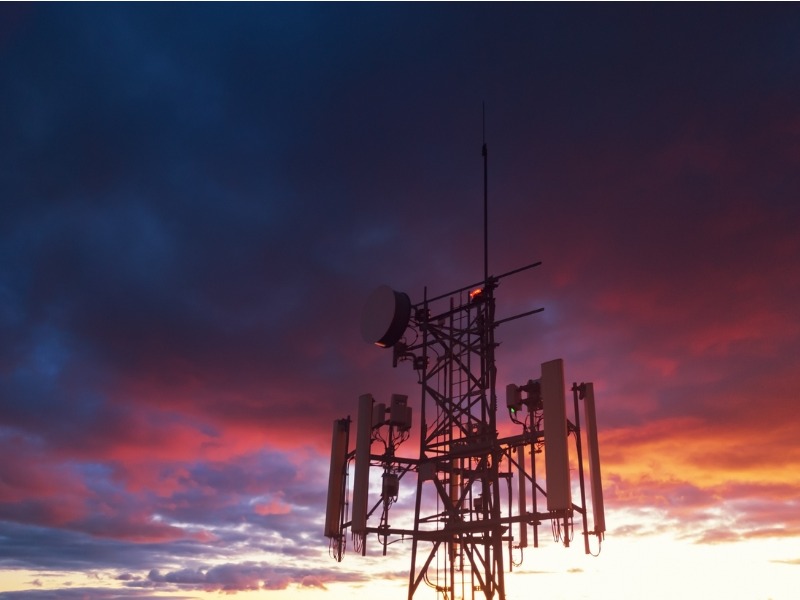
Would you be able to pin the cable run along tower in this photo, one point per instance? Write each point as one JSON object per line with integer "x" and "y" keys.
{"x": 480, "y": 499}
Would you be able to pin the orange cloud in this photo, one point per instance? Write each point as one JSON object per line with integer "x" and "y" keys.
{"x": 717, "y": 481}
{"x": 702, "y": 452}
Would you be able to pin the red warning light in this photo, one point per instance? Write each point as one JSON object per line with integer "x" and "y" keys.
{"x": 475, "y": 293}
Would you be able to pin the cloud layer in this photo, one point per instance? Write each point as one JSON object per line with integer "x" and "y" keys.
{"x": 196, "y": 200}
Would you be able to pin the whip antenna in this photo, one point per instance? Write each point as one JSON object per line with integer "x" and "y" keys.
{"x": 485, "y": 153}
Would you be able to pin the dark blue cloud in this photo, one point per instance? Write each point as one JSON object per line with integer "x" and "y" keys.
{"x": 195, "y": 199}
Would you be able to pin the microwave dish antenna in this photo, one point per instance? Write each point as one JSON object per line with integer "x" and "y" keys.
{"x": 385, "y": 316}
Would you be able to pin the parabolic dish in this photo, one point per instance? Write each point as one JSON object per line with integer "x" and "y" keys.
{"x": 385, "y": 317}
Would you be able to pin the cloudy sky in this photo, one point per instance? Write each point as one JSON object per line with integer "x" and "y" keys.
{"x": 195, "y": 201}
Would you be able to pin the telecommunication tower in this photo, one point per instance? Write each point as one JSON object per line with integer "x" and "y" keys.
{"x": 478, "y": 495}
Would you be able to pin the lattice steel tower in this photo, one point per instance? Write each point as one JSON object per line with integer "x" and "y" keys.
{"x": 477, "y": 493}
{"x": 460, "y": 454}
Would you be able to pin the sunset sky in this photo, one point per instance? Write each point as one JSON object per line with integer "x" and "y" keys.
{"x": 197, "y": 199}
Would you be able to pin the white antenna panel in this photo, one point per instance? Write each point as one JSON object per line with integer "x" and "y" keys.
{"x": 594, "y": 461}
{"x": 361, "y": 477}
{"x": 556, "y": 452}
{"x": 336, "y": 478}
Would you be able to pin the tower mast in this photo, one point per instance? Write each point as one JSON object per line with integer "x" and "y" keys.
{"x": 467, "y": 524}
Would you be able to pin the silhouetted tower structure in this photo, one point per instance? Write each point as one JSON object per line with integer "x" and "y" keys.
{"x": 477, "y": 493}
{"x": 459, "y": 452}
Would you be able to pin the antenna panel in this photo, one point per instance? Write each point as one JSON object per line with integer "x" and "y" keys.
{"x": 556, "y": 452}
{"x": 361, "y": 477}
{"x": 522, "y": 496}
{"x": 594, "y": 461}
{"x": 378, "y": 415}
{"x": 337, "y": 478}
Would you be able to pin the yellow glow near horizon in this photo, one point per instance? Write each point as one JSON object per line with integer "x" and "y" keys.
{"x": 654, "y": 567}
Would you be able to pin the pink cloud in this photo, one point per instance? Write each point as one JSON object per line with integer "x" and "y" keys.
{"x": 34, "y": 475}
{"x": 135, "y": 527}
{"x": 273, "y": 507}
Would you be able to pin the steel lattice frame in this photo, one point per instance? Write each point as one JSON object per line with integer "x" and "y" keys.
{"x": 459, "y": 449}
{"x": 462, "y": 523}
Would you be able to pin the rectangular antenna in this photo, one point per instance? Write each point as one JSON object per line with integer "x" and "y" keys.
{"x": 361, "y": 477}
{"x": 337, "y": 478}
{"x": 378, "y": 414}
{"x": 556, "y": 451}
{"x": 522, "y": 496}
{"x": 400, "y": 412}
{"x": 594, "y": 461}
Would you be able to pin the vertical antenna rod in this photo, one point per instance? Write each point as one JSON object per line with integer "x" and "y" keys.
{"x": 485, "y": 153}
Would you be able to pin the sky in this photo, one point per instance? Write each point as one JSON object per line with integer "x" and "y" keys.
{"x": 197, "y": 199}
